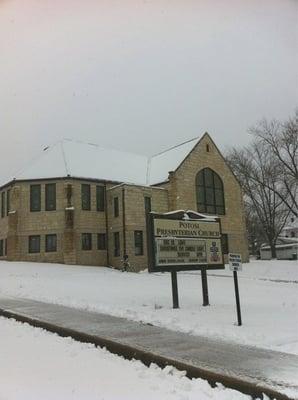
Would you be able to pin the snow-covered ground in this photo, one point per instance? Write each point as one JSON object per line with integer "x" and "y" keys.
{"x": 268, "y": 291}
{"x": 35, "y": 364}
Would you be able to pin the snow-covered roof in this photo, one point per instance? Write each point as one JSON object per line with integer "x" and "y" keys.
{"x": 91, "y": 161}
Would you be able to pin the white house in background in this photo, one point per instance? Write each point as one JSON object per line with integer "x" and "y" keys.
{"x": 291, "y": 229}
{"x": 286, "y": 249}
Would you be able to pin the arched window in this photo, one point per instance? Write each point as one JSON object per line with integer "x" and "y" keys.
{"x": 210, "y": 192}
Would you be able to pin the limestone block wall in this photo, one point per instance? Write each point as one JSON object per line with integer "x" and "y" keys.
{"x": 182, "y": 192}
{"x": 115, "y": 224}
{"x": 92, "y": 221}
{"x": 135, "y": 218}
{"x": 3, "y": 222}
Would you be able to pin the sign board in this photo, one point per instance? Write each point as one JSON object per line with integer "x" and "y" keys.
{"x": 235, "y": 262}
{"x": 177, "y": 242}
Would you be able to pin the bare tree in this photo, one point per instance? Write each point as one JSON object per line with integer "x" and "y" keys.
{"x": 281, "y": 139}
{"x": 255, "y": 167}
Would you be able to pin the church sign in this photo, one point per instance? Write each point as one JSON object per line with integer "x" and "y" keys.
{"x": 184, "y": 241}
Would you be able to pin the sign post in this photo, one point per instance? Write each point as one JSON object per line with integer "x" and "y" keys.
{"x": 205, "y": 287}
{"x": 184, "y": 241}
{"x": 175, "y": 289}
{"x": 235, "y": 266}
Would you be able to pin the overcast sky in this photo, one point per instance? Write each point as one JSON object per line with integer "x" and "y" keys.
{"x": 142, "y": 75}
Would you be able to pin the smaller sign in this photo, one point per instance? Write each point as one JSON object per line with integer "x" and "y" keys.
{"x": 235, "y": 262}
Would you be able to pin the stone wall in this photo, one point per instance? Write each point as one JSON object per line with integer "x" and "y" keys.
{"x": 182, "y": 192}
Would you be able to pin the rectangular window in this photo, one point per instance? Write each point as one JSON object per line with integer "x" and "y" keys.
{"x": 101, "y": 241}
{"x": 50, "y": 193}
{"x": 35, "y": 198}
{"x": 51, "y": 243}
{"x": 34, "y": 244}
{"x": 100, "y": 198}
{"x": 2, "y": 204}
{"x": 1, "y": 248}
{"x": 86, "y": 197}
{"x": 116, "y": 207}
{"x": 147, "y": 201}
{"x": 139, "y": 250}
{"x": 5, "y": 247}
{"x": 7, "y": 202}
{"x": 225, "y": 243}
{"x": 116, "y": 244}
{"x": 86, "y": 241}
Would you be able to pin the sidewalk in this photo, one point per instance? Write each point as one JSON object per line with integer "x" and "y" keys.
{"x": 248, "y": 369}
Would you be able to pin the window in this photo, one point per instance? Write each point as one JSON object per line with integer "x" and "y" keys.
{"x": 86, "y": 241}
{"x": 50, "y": 193}
{"x": 100, "y": 198}
{"x": 51, "y": 243}
{"x": 139, "y": 250}
{"x": 86, "y": 197}
{"x": 116, "y": 244}
{"x": 207, "y": 148}
{"x": 7, "y": 202}
{"x": 35, "y": 198}
{"x": 2, "y": 204}
{"x": 1, "y": 248}
{"x": 225, "y": 243}
{"x": 34, "y": 244}
{"x": 210, "y": 193}
{"x": 147, "y": 201}
{"x": 116, "y": 207}
{"x": 101, "y": 241}
{"x": 5, "y": 247}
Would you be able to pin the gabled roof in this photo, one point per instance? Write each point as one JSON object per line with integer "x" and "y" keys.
{"x": 90, "y": 161}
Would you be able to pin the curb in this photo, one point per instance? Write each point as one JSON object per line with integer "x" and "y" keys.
{"x": 129, "y": 352}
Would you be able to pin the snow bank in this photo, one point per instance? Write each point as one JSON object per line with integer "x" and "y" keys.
{"x": 267, "y": 290}
{"x": 35, "y": 364}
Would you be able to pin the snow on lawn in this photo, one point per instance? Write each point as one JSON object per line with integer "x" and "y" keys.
{"x": 36, "y": 364}
{"x": 269, "y": 307}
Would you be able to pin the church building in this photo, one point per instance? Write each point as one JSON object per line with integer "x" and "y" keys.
{"x": 79, "y": 203}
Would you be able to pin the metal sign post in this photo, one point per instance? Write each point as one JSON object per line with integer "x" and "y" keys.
{"x": 175, "y": 289}
{"x": 236, "y": 265}
{"x": 205, "y": 287}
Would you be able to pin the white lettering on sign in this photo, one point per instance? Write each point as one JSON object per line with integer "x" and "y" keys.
{"x": 187, "y": 251}
{"x": 235, "y": 262}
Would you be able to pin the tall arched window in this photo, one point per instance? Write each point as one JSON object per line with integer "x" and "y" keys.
{"x": 210, "y": 192}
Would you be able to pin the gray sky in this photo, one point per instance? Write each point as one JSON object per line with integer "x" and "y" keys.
{"x": 142, "y": 75}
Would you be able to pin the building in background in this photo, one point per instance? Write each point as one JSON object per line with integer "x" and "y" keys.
{"x": 82, "y": 204}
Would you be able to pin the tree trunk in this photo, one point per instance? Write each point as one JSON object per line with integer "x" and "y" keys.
{"x": 273, "y": 250}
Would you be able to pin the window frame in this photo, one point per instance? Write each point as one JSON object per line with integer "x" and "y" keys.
{"x": 117, "y": 245}
{"x": 86, "y": 201}
{"x": 7, "y": 201}
{"x": 147, "y": 204}
{"x": 30, "y": 249}
{"x": 47, "y": 249}
{"x": 210, "y": 189}
{"x": 225, "y": 243}
{"x": 2, "y": 204}
{"x": 100, "y": 198}
{"x": 2, "y": 251}
{"x": 38, "y": 194}
{"x": 83, "y": 242}
{"x": 101, "y": 244}
{"x": 139, "y": 243}
{"x": 48, "y": 206}
{"x": 116, "y": 207}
